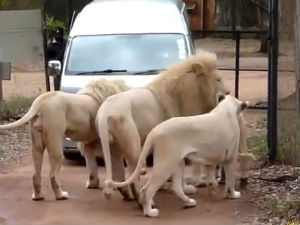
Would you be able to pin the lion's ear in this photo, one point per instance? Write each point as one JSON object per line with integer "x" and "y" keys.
{"x": 197, "y": 69}
{"x": 245, "y": 105}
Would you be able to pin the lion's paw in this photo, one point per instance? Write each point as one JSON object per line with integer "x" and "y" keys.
{"x": 152, "y": 213}
{"x": 92, "y": 184}
{"x": 233, "y": 194}
{"x": 37, "y": 197}
{"x": 190, "y": 203}
{"x": 62, "y": 196}
{"x": 107, "y": 193}
{"x": 189, "y": 189}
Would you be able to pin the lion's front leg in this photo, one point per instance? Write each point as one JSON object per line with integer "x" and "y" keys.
{"x": 90, "y": 158}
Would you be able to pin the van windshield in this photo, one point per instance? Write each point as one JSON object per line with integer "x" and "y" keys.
{"x": 130, "y": 53}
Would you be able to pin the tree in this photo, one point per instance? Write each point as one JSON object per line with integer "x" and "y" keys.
{"x": 262, "y": 17}
{"x": 287, "y": 12}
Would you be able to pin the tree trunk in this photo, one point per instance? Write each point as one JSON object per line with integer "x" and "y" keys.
{"x": 287, "y": 10}
{"x": 261, "y": 21}
{"x": 297, "y": 50}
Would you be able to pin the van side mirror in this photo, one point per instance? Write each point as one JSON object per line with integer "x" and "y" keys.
{"x": 54, "y": 68}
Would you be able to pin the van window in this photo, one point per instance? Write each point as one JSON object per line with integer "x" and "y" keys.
{"x": 128, "y": 53}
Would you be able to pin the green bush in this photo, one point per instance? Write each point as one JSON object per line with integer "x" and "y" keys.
{"x": 15, "y": 104}
{"x": 52, "y": 24}
{"x": 258, "y": 146}
{"x": 288, "y": 137}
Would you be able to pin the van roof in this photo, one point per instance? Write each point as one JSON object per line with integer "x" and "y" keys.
{"x": 130, "y": 16}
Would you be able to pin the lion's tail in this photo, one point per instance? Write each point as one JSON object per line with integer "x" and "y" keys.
{"x": 109, "y": 184}
{"x": 33, "y": 110}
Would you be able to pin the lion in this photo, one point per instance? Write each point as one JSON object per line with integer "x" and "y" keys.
{"x": 201, "y": 175}
{"x": 209, "y": 139}
{"x": 55, "y": 115}
{"x": 124, "y": 120}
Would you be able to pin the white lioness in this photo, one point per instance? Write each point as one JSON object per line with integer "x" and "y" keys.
{"x": 203, "y": 176}
{"x": 124, "y": 120}
{"x": 55, "y": 115}
{"x": 210, "y": 139}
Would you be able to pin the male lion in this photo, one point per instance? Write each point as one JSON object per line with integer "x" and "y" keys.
{"x": 124, "y": 120}
{"x": 55, "y": 115}
{"x": 210, "y": 139}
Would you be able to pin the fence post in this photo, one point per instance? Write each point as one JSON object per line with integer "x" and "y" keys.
{"x": 237, "y": 63}
{"x": 272, "y": 87}
{"x": 233, "y": 17}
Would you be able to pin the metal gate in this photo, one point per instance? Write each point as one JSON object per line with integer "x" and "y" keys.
{"x": 272, "y": 33}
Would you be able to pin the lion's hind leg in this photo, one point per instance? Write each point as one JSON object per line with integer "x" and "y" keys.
{"x": 156, "y": 180}
{"x": 130, "y": 146}
{"x": 161, "y": 171}
{"x": 54, "y": 146}
{"x": 37, "y": 149}
{"x": 230, "y": 169}
{"x": 178, "y": 184}
{"x": 119, "y": 172}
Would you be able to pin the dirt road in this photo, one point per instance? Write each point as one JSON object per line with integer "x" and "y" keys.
{"x": 88, "y": 206}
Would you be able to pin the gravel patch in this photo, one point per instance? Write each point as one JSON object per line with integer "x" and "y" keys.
{"x": 14, "y": 148}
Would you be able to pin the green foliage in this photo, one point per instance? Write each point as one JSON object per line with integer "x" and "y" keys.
{"x": 14, "y": 104}
{"x": 19, "y": 4}
{"x": 3, "y": 3}
{"x": 288, "y": 137}
{"x": 258, "y": 146}
{"x": 52, "y": 24}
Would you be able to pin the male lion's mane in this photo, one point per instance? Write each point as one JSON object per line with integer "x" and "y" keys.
{"x": 100, "y": 89}
{"x": 186, "y": 88}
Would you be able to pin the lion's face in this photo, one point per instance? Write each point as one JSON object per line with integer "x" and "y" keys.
{"x": 218, "y": 84}
{"x": 210, "y": 84}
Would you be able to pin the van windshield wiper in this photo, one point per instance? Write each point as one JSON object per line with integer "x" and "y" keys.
{"x": 145, "y": 72}
{"x": 101, "y": 71}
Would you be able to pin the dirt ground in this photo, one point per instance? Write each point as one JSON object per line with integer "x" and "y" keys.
{"x": 89, "y": 206}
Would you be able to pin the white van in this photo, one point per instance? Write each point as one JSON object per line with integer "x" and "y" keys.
{"x": 129, "y": 39}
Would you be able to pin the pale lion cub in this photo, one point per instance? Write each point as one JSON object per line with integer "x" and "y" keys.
{"x": 210, "y": 139}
